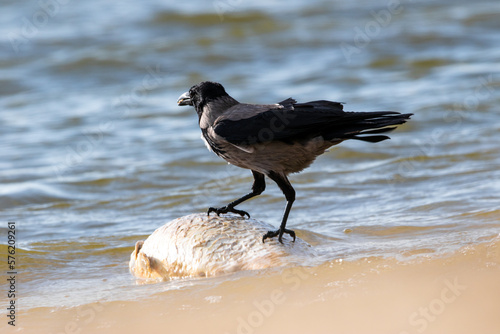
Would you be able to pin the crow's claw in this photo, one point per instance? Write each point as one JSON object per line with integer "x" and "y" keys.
{"x": 226, "y": 209}
{"x": 278, "y": 233}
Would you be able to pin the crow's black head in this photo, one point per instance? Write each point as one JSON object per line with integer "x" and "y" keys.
{"x": 201, "y": 94}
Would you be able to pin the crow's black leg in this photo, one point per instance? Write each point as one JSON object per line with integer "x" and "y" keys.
{"x": 259, "y": 185}
{"x": 289, "y": 192}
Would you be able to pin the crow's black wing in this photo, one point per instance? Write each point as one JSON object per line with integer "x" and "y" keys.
{"x": 289, "y": 121}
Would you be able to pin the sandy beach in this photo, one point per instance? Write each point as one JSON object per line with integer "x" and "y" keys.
{"x": 454, "y": 293}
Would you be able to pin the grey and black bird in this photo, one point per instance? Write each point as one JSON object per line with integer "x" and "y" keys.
{"x": 275, "y": 140}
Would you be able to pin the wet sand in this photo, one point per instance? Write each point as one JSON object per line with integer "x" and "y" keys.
{"x": 452, "y": 293}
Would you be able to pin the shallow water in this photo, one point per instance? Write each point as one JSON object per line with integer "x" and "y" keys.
{"x": 96, "y": 155}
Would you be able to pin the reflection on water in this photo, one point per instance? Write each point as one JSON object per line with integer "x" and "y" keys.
{"x": 95, "y": 154}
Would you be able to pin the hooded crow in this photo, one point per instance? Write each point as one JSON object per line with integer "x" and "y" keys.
{"x": 275, "y": 140}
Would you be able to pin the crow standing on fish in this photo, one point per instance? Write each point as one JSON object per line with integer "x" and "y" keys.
{"x": 275, "y": 140}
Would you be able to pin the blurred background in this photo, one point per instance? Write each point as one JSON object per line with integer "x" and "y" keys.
{"x": 95, "y": 154}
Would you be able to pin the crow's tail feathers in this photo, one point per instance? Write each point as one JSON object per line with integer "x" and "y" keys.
{"x": 372, "y": 139}
{"x": 367, "y": 126}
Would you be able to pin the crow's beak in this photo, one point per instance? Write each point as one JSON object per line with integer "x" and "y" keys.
{"x": 184, "y": 100}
